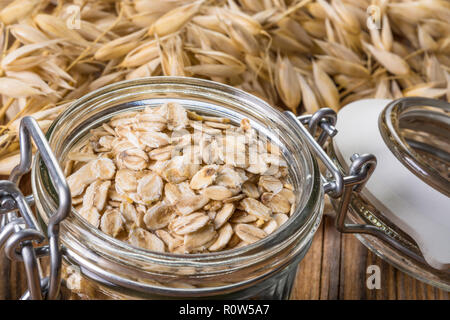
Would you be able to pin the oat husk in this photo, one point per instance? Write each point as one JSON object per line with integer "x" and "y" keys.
{"x": 297, "y": 55}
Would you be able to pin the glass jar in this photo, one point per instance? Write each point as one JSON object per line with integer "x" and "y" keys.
{"x": 97, "y": 266}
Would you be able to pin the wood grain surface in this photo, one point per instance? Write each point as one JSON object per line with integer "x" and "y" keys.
{"x": 334, "y": 268}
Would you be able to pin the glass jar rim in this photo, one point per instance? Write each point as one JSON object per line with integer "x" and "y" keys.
{"x": 304, "y": 217}
{"x": 421, "y": 111}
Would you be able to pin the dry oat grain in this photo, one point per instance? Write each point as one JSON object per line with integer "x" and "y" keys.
{"x": 138, "y": 180}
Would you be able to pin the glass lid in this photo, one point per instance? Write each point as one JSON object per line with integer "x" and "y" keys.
{"x": 419, "y": 136}
{"x": 407, "y": 196}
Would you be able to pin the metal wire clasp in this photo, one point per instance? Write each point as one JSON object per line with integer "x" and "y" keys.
{"x": 340, "y": 186}
{"x": 19, "y": 235}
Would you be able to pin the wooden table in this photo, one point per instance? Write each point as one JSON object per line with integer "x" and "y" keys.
{"x": 335, "y": 268}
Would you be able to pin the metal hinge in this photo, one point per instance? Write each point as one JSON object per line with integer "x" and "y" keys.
{"x": 20, "y": 234}
{"x": 340, "y": 186}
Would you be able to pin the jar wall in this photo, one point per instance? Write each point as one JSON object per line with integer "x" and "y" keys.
{"x": 278, "y": 286}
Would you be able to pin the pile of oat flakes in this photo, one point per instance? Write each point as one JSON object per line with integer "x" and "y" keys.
{"x": 170, "y": 180}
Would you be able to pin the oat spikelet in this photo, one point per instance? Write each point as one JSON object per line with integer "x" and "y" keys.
{"x": 16, "y": 88}
{"x": 287, "y": 83}
{"x": 58, "y": 28}
{"x": 27, "y": 34}
{"x": 17, "y": 10}
{"x": 326, "y": 87}
{"x": 175, "y": 19}
{"x": 386, "y": 34}
{"x": 425, "y": 90}
{"x": 119, "y": 47}
{"x": 332, "y": 65}
{"x": 382, "y": 89}
{"x": 425, "y": 40}
{"x": 239, "y": 43}
{"x": 142, "y": 54}
{"x": 309, "y": 98}
{"x": 8, "y": 163}
{"x": 24, "y": 51}
{"x": 392, "y": 62}
{"x": 350, "y": 22}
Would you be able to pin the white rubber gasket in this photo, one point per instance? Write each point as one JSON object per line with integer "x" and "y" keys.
{"x": 407, "y": 201}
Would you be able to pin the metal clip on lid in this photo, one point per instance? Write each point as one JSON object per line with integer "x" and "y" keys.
{"x": 340, "y": 186}
{"x": 18, "y": 233}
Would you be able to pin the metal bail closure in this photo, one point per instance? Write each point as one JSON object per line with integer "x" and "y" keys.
{"x": 20, "y": 235}
{"x": 339, "y": 186}
{"x": 336, "y": 185}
